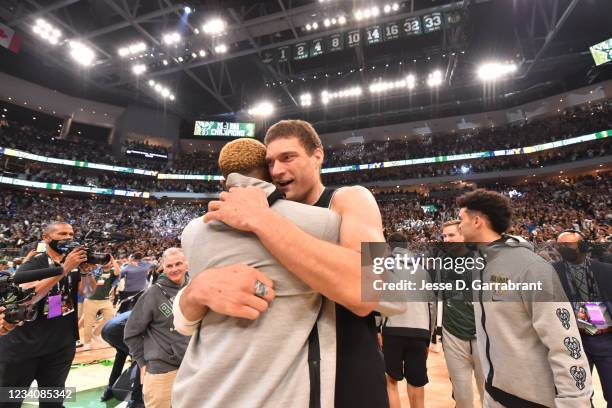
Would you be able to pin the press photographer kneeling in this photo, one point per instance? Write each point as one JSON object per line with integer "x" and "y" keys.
{"x": 43, "y": 349}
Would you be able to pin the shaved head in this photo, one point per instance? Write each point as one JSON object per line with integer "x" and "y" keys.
{"x": 50, "y": 228}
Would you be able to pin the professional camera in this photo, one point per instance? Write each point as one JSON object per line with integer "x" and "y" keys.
{"x": 15, "y": 299}
{"x": 89, "y": 241}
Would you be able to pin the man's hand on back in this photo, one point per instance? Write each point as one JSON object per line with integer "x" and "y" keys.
{"x": 240, "y": 208}
{"x": 228, "y": 290}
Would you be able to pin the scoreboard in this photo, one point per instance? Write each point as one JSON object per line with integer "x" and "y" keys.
{"x": 370, "y": 35}
{"x": 223, "y": 129}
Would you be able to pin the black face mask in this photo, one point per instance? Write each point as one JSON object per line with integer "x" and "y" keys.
{"x": 58, "y": 245}
{"x": 568, "y": 254}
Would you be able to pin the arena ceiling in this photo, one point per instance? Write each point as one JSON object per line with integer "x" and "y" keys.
{"x": 547, "y": 40}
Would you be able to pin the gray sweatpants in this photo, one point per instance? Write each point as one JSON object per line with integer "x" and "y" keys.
{"x": 462, "y": 360}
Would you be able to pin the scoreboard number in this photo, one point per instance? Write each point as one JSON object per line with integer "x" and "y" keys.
{"x": 392, "y": 31}
{"x": 300, "y": 51}
{"x": 316, "y": 47}
{"x": 373, "y": 35}
{"x": 354, "y": 38}
{"x": 432, "y": 22}
{"x": 335, "y": 43}
{"x": 412, "y": 26}
{"x": 283, "y": 54}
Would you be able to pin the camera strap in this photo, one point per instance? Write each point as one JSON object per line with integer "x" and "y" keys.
{"x": 170, "y": 298}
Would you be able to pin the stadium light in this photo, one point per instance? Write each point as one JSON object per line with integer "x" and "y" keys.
{"x": 172, "y": 38}
{"x": 46, "y": 31}
{"x": 139, "y": 69}
{"x": 383, "y": 86}
{"x": 202, "y": 53}
{"x": 214, "y": 26}
{"x": 187, "y": 10}
{"x": 81, "y": 53}
{"x": 366, "y": 13}
{"x": 221, "y": 49}
{"x": 165, "y": 62}
{"x": 306, "y": 99}
{"x": 327, "y": 96}
{"x": 390, "y": 7}
{"x": 435, "y": 79}
{"x": 492, "y": 71}
{"x": 262, "y": 109}
{"x": 161, "y": 90}
{"x": 132, "y": 49}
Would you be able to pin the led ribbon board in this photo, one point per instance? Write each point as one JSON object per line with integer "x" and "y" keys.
{"x": 223, "y": 129}
{"x": 467, "y": 156}
{"x": 73, "y": 188}
{"x": 353, "y": 167}
{"x": 75, "y": 163}
{"x": 204, "y": 177}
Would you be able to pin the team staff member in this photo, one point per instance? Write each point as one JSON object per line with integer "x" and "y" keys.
{"x": 459, "y": 331}
{"x": 43, "y": 349}
{"x": 531, "y": 355}
{"x": 294, "y": 157}
{"x": 588, "y": 284}
{"x": 150, "y": 334}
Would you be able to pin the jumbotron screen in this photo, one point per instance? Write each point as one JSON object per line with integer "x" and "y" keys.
{"x": 602, "y": 52}
{"x": 208, "y": 128}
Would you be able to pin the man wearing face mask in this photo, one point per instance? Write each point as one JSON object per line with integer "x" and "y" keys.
{"x": 588, "y": 285}
{"x": 43, "y": 349}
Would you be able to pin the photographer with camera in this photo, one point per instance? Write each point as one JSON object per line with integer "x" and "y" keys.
{"x": 43, "y": 348}
{"x": 5, "y": 327}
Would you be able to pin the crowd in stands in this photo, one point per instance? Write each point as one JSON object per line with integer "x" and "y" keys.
{"x": 568, "y": 154}
{"x": 154, "y": 227}
{"x": 35, "y": 171}
{"x": 541, "y": 210}
{"x": 578, "y": 121}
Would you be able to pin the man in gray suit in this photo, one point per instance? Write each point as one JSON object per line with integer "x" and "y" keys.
{"x": 269, "y": 361}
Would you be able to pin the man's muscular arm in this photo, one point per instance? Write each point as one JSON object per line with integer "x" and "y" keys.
{"x": 330, "y": 269}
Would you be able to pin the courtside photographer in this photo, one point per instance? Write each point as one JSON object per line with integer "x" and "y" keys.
{"x": 43, "y": 348}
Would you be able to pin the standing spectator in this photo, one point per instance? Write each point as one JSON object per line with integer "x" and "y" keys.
{"x": 99, "y": 301}
{"x": 150, "y": 335}
{"x": 406, "y": 336}
{"x": 587, "y": 283}
{"x": 135, "y": 274}
{"x": 459, "y": 327}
